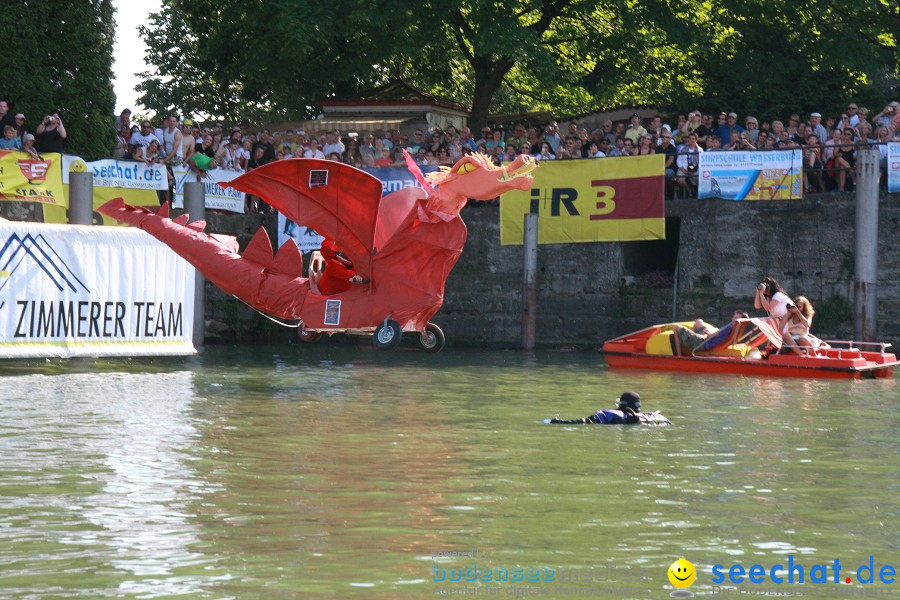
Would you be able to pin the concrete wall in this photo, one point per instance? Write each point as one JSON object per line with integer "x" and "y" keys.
{"x": 591, "y": 292}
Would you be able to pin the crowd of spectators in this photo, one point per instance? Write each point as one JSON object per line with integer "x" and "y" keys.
{"x": 48, "y": 136}
{"x": 828, "y": 144}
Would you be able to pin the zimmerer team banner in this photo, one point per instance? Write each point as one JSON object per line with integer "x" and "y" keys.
{"x": 217, "y": 197}
{"x": 27, "y": 179}
{"x": 893, "y": 166}
{"x": 593, "y": 200}
{"x": 749, "y": 175}
{"x": 91, "y": 291}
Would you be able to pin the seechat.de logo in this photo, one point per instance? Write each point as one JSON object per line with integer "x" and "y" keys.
{"x": 682, "y": 574}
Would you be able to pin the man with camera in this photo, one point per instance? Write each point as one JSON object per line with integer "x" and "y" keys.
{"x": 688, "y": 163}
{"x": 50, "y": 134}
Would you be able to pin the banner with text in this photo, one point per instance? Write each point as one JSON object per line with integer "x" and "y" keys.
{"x": 217, "y": 197}
{"x": 593, "y": 200}
{"x": 28, "y": 179}
{"x": 128, "y": 174}
{"x": 893, "y": 166}
{"x": 92, "y": 291}
{"x": 749, "y": 175}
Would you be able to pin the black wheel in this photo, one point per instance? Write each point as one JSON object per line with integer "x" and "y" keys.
{"x": 387, "y": 335}
{"x": 308, "y": 336}
{"x": 432, "y": 340}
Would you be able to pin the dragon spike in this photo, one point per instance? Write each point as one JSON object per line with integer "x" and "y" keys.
{"x": 164, "y": 211}
{"x": 182, "y": 220}
{"x": 259, "y": 250}
{"x": 198, "y": 225}
{"x": 288, "y": 260}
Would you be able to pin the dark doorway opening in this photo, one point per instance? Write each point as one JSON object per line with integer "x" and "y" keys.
{"x": 654, "y": 258}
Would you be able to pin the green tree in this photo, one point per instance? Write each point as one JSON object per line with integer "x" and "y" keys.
{"x": 61, "y": 59}
{"x": 264, "y": 59}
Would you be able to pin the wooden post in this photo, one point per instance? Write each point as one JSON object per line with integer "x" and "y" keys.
{"x": 195, "y": 206}
{"x": 865, "y": 284}
{"x": 529, "y": 294}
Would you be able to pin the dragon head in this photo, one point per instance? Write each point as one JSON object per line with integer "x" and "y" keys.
{"x": 475, "y": 176}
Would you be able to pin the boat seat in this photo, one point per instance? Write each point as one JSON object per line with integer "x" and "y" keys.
{"x": 663, "y": 343}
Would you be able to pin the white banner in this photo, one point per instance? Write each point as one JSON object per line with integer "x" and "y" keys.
{"x": 121, "y": 173}
{"x": 307, "y": 239}
{"x": 92, "y": 291}
{"x": 893, "y": 166}
{"x": 751, "y": 175}
{"x": 216, "y": 196}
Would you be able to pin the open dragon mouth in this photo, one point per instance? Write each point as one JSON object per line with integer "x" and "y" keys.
{"x": 527, "y": 167}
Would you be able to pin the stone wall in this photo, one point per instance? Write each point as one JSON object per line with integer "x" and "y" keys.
{"x": 591, "y": 292}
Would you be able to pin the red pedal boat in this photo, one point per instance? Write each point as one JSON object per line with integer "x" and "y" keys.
{"x": 653, "y": 348}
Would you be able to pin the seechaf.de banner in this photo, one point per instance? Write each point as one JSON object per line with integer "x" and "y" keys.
{"x": 127, "y": 174}
{"x": 592, "y": 200}
{"x": 92, "y": 291}
{"x": 28, "y": 179}
{"x": 751, "y": 175}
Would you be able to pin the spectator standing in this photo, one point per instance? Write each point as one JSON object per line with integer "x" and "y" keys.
{"x": 50, "y": 134}
{"x": 517, "y": 137}
{"x": 752, "y": 126}
{"x": 333, "y": 143}
{"x": 551, "y": 136}
{"x": 729, "y": 128}
{"x": 123, "y": 125}
{"x": 20, "y": 126}
{"x": 671, "y": 152}
{"x": 688, "y": 164}
{"x": 10, "y": 141}
{"x": 187, "y": 140}
{"x": 313, "y": 151}
{"x": 28, "y": 146}
{"x": 883, "y": 118}
{"x": 465, "y": 139}
{"x": 636, "y": 130}
{"x": 143, "y": 137}
{"x": 607, "y": 128}
{"x": 5, "y": 117}
{"x": 815, "y": 122}
{"x": 171, "y": 141}
{"x": 853, "y": 111}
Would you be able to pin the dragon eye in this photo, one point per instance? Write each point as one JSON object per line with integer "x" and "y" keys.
{"x": 466, "y": 168}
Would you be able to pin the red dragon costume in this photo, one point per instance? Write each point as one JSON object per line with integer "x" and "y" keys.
{"x": 402, "y": 246}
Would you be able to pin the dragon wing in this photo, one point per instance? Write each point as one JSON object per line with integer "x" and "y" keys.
{"x": 337, "y": 200}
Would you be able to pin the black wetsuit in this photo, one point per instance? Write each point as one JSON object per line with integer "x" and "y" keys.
{"x": 617, "y": 417}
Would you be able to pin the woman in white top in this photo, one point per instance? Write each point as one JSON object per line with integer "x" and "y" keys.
{"x": 772, "y": 298}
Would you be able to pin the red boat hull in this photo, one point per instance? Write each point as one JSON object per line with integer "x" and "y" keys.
{"x": 780, "y": 365}
{"x": 843, "y": 360}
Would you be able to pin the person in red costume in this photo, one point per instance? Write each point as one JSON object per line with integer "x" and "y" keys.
{"x": 335, "y": 271}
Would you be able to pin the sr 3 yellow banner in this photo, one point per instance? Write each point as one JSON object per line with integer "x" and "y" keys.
{"x": 616, "y": 199}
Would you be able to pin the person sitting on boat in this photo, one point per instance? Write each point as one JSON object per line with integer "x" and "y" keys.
{"x": 688, "y": 338}
{"x": 772, "y": 298}
{"x": 627, "y": 412}
{"x": 799, "y": 320}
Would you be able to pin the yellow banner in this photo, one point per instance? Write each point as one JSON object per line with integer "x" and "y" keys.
{"x": 28, "y": 179}
{"x": 593, "y": 200}
{"x": 59, "y": 214}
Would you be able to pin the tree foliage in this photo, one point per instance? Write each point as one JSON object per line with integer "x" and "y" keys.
{"x": 58, "y": 55}
{"x": 262, "y": 59}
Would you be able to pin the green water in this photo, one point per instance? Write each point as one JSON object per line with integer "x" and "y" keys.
{"x": 317, "y": 472}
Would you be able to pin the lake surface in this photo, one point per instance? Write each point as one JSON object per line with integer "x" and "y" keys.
{"x": 322, "y": 472}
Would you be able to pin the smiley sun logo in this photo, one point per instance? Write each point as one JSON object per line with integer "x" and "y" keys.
{"x": 682, "y": 574}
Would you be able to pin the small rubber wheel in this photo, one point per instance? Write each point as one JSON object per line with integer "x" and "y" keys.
{"x": 432, "y": 339}
{"x": 387, "y": 335}
{"x": 309, "y": 337}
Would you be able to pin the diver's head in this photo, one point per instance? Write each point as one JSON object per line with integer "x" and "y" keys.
{"x": 630, "y": 400}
